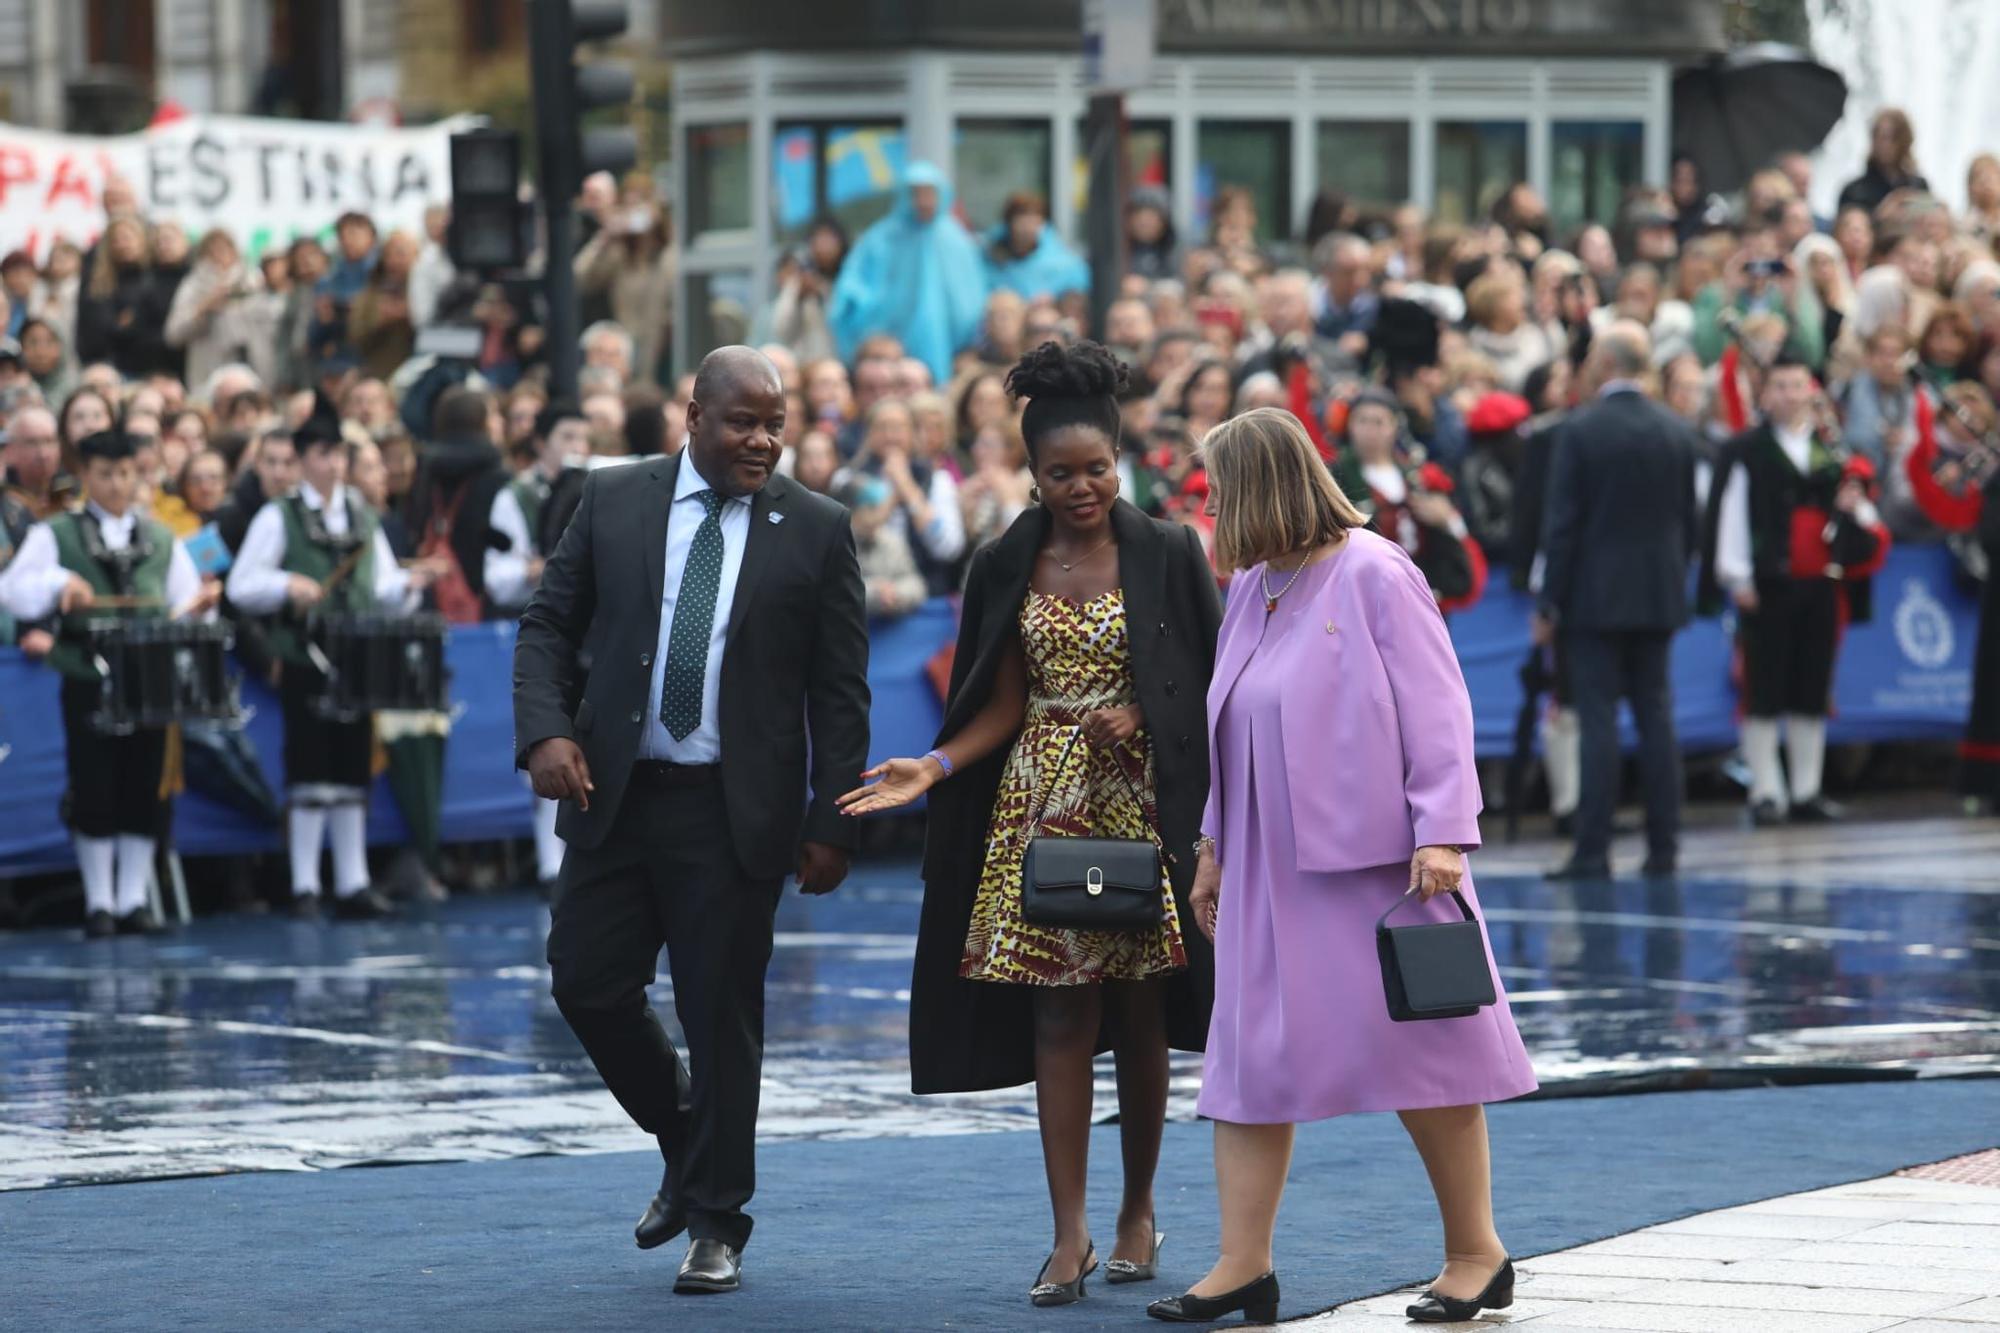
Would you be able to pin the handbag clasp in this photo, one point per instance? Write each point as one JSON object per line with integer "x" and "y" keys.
{"x": 1093, "y": 881}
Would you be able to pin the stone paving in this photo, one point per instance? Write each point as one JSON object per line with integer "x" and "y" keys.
{"x": 1918, "y": 1252}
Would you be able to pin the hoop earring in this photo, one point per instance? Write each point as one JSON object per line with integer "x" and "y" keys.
{"x": 1034, "y": 495}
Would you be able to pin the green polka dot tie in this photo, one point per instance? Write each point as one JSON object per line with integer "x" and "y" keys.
{"x": 694, "y": 620}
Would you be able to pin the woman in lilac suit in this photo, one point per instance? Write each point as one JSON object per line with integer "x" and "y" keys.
{"x": 1341, "y": 737}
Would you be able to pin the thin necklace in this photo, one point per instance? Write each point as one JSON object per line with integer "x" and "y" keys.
{"x": 1264, "y": 580}
{"x": 1066, "y": 568}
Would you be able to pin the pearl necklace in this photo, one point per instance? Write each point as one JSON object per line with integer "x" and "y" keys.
{"x": 1264, "y": 581}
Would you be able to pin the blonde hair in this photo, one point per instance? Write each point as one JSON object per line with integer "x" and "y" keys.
{"x": 1273, "y": 495}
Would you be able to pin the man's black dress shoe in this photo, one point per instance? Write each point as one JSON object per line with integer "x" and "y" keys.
{"x": 1573, "y": 869}
{"x": 1818, "y": 810}
{"x": 1766, "y": 814}
{"x": 1660, "y": 867}
{"x": 710, "y": 1267}
{"x": 100, "y": 925}
{"x": 1258, "y": 1300}
{"x": 1432, "y": 1308}
{"x": 663, "y": 1221}
{"x": 366, "y": 905}
{"x": 140, "y": 921}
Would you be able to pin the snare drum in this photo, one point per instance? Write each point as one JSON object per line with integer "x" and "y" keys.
{"x": 156, "y": 672}
{"x": 378, "y": 662}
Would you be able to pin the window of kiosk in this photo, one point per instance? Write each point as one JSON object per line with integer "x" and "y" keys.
{"x": 993, "y": 159}
{"x": 718, "y": 179}
{"x": 1476, "y": 161}
{"x": 1592, "y": 163}
{"x": 1368, "y": 161}
{"x": 849, "y": 171}
{"x": 1149, "y": 161}
{"x": 1249, "y": 155}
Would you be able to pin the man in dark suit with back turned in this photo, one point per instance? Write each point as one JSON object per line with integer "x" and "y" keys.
{"x": 1619, "y": 531}
{"x": 720, "y": 608}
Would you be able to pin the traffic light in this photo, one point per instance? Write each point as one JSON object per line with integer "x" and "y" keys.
{"x": 565, "y": 92}
{"x": 490, "y": 228}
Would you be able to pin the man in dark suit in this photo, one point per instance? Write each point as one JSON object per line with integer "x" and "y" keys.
{"x": 1619, "y": 531}
{"x": 681, "y": 762}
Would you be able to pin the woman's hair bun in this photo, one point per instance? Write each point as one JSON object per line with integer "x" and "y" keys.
{"x": 1082, "y": 370}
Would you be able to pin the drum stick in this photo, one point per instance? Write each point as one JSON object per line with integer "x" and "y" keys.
{"x": 344, "y": 568}
{"x": 125, "y": 603}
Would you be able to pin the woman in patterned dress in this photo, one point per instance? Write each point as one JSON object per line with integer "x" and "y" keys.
{"x": 1076, "y": 708}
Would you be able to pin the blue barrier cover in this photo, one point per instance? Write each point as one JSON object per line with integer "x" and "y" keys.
{"x": 1907, "y": 675}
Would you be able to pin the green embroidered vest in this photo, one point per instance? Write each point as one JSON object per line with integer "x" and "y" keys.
{"x": 530, "y": 493}
{"x": 309, "y": 552}
{"x": 147, "y": 580}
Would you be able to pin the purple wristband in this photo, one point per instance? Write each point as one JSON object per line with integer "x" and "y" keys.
{"x": 943, "y": 760}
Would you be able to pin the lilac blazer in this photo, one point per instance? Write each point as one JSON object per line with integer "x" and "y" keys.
{"x": 1376, "y": 698}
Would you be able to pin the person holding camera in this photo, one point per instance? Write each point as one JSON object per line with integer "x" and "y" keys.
{"x": 797, "y": 317}
{"x": 631, "y": 260}
{"x": 1757, "y": 279}
{"x": 205, "y": 318}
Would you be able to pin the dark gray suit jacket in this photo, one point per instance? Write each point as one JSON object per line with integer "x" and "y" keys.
{"x": 795, "y": 666}
{"x": 1620, "y": 525}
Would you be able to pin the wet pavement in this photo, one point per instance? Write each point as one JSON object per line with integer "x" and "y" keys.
{"x": 259, "y": 1043}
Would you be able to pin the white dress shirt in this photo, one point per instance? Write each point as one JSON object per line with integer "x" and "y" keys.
{"x": 507, "y": 583}
{"x": 31, "y": 585}
{"x": 703, "y": 745}
{"x": 1734, "y": 566}
{"x": 258, "y": 582}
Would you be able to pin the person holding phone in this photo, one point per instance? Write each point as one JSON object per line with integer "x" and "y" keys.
{"x": 631, "y": 263}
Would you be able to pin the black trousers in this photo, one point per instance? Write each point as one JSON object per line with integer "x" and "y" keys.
{"x": 1788, "y": 647}
{"x": 1605, "y": 666}
{"x": 668, "y": 874}
{"x": 319, "y": 752}
{"x": 114, "y": 781}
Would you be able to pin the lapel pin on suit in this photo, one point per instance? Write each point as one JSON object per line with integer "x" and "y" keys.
{"x": 774, "y": 517}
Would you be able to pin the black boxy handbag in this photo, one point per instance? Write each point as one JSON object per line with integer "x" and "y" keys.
{"x": 1091, "y": 883}
{"x": 1435, "y": 970}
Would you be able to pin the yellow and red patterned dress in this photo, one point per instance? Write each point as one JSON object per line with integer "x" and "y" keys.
{"x": 1078, "y": 660}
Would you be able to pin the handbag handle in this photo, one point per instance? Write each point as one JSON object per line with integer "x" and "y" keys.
{"x": 1042, "y": 806}
{"x": 1382, "y": 922}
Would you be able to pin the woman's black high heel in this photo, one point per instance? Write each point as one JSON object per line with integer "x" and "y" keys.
{"x": 1063, "y": 1293}
{"x": 1257, "y": 1300}
{"x": 1120, "y": 1271}
{"x": 1432, "y": 1308}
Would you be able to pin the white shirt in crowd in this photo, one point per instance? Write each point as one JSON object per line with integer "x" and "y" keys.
{"x": 1735, "y": 567}
{"x": 31, "y": 585}
{"x": 506, "y": 571}
{"x": 703, "y": 745}
{"x": 258, "y": 582}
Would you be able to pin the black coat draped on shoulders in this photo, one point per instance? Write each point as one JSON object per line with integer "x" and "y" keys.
{"x": 971, "y": 1035}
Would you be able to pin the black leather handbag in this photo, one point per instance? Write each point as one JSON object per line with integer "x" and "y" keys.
{"x": 1091, "y": 883}
{"x": 1436, "y": 970}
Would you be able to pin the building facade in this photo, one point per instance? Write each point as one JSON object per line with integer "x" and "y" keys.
{"x": 788, "y": 109}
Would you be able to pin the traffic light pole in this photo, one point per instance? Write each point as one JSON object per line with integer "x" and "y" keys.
{"x": 565, "y": 353}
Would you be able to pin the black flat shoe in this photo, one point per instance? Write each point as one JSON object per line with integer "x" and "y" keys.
{"x": 1431, "y": 1308}
{"x": 1118, "y": 1272}
{"x": 363, "y": 905}
{"x": 1573, "y": 869}
{"x": 140, "y": 921}
{"x": 710, "y": 1268}
{"x": 305, "y": 907}
{"x": 1258, "y": 1300}
{"x": 100, "y": 925}
{"x": 1818, "y": 810}
{"x": 1063, "y": 1293}
{"x": 1766, "y": 814}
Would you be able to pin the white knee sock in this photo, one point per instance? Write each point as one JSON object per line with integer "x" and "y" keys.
{"x": 1562, "y": 758}
{"x": 1805, "y": 752}
{"x": 548, "y": 847}
{"x": 305, "y": 830}
{"x": 1760, "y": 751}
{"x": 94, "y": 860}
{"x": 347, "y": 829}
{"x": 135, "y": 871}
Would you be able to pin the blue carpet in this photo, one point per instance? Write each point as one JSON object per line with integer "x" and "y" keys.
{"x": 908, "y": 1233}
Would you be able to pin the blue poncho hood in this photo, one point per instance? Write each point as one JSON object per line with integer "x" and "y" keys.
{"x": 1050, "y": 269}
{"x": 924, "y": 282}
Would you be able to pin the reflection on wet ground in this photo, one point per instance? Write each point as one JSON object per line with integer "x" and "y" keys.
{"x": 259, "y": 1043}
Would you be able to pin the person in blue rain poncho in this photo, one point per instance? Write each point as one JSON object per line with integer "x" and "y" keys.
{"x": 916, "y": 274}
{"x": 1024, "y": 254}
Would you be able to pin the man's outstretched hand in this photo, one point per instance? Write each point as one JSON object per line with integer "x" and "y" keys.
{"x": 558, "y": 772}
{"x": 821, "y": 867}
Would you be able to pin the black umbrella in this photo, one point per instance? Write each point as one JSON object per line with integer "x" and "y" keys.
{"x": 1739, "y": 111}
